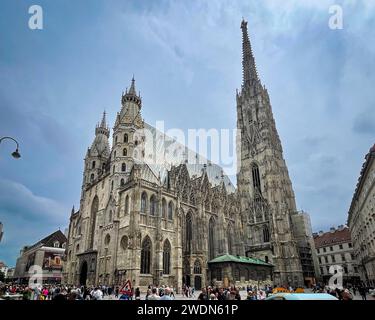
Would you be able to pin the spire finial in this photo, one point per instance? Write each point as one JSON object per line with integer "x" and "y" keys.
{"x": 103, "y": 124}
{"x": 250, "y": 74}
{"x": 132, "y": 87}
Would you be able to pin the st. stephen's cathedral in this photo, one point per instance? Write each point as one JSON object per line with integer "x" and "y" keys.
{"x": 163, "y": 223}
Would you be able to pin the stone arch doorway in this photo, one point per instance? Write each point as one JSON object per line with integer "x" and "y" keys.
{"x": 198, "y": 282}
{"x": 83, "y": 274}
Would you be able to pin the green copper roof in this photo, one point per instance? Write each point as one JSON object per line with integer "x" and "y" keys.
{"x": 240, "y": 259}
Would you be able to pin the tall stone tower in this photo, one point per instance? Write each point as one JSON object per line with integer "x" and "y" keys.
{"x": 264, "y": 186}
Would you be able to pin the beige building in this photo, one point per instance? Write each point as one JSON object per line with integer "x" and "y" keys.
{"x": 43, "y": 260}
{"x": 335, "y": 252}
{"x": 163, "y": 222}
{"x": 361, "y": 220}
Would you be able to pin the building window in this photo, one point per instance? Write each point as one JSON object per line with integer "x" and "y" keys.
{"x": 343, "y": 257}
{"x": 144, "y": 202}
{"x": 350, "y": 245}
{"x": 170, "y": 210}
{"x": 114, "y": 168}
{"x": 127, "y": 204}
{"x": 126, "y": 138}
{"x": 355, "y": 269}
{"x": 324, "y": 250}
{"x": 321, "y": 270}
{"x": 197, "y": 267}
{"x": 122, "y": 182}
{"x": 256, "y": 177}
{"x": 331, "y": 248}
{"x": 114, "y": 154}
{"x": 333, "y": 258}
{"x": 94, "y": 210}
{"x": 211, "y": 238}
{"x": 340, "y": 246}
{"x": 164, "y": 209}
{"x": 110, "y": 216}
{"x": 56, "y": 244}
{"x": 111, "y": 185}
{"x": 345, "y": 270}
{"x": 116, "y": 139}
{"x": 123, "y": 167}
{"x": 146, "y": 256}
{"x": 92, "y": 177}
{"x": 266, "y": 234}
{"x": 152, "y": 205}
{"x": 219, "y": 276}
{"x": 189, "y": 232}
{"x": 107, "y": 239}
{"x": 124, "y": 243}
{"x": 237, "y": 274}
{"x": 166, "y": 257}
{"x": 93, "y": 165}
{"x": 230, "y": 239}
{"x": 125, "y": 152}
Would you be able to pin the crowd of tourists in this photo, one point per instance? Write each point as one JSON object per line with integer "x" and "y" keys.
{"x": 344, "y": 293}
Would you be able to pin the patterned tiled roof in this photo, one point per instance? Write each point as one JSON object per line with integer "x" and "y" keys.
{"x": 330, "y": 238}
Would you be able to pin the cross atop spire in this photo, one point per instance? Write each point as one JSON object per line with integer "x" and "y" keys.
{"x": 250, "y": 75}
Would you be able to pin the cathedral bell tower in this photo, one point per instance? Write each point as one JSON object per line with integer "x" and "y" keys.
{"x": 97, "y": 155}
{"x": 127, "y": 137}
{"x": 264, "y": 186}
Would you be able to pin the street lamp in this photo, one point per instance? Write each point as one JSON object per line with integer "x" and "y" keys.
{"x": 15, "y": 154}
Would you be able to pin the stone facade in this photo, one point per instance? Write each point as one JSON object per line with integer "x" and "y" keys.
{"x": 361, "y": 220}
{"x": 156, "y": 222}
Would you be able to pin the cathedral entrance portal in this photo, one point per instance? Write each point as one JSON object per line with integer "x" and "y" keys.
{"x": 83, "y": 274}
{"x": 198, "y": 282}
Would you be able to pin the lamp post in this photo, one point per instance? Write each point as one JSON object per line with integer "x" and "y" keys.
{"x": 15, "y": 154}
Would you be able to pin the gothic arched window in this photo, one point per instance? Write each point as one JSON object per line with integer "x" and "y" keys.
{"x": 144, "y": 202}
{"x": 94, "y": 210}
{"x": 127, "y": 204}
{"x": 166, "y": 257}
{"x": 189, "y": 232}
{"x": 122, "y": 182}
{"x": 164, "y": 209}
{"x": 125, "y": 152}
{"x": 123, "y": 167}
{"x": 266, "y": 234}
{"x": 197, "y": 267}
{"x": 114, "y": 169}
{"x": 230, "y": 239}
{"x": 126, "y": 137}
{"x": 256, "y": 177}
{"x": 146, "y": 255}
{"x": 93, "y": 164}
{"x": 92, "y": 177}
{"x": 152, "y": 205}
{"x": 170, "y": 210}
{"x": 211, "y": 238}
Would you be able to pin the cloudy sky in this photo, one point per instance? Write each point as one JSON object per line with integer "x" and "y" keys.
{"x": 186, "y": 57}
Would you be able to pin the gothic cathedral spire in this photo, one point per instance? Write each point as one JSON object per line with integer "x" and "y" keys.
{"x": 250, "y": 75}
{"x": 266, "y": 193}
